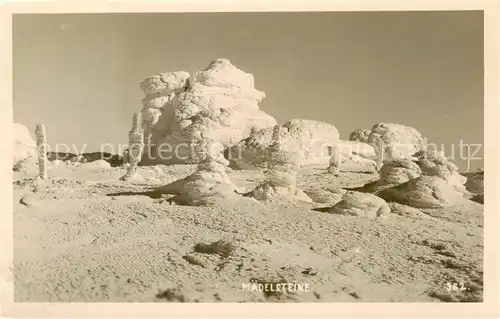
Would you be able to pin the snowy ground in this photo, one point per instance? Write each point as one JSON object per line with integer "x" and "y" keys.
{"x": 83, "y": 235}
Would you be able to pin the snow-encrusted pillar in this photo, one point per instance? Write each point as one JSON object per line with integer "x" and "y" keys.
{"x": 275, "y": 139}
{"x": 380, "y": 154}
{"x": 334, "y": 162}
{"x": 136, "y": 146}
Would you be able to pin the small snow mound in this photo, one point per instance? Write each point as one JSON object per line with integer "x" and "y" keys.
{"x": 207, "y": 186}
{"x": 407, "y": 211}
{"x": 361, "y": 204}
{"x": 273, "y": 193}
{"x": 97, "y": 164}
{"x": 330, "y": 195}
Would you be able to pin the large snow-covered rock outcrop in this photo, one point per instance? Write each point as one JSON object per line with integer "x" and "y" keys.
{"x": 185, "y": 116}
{"x": 308, "y": 141}
{"x": 24, "y": 146}
{"x": 396, "y": 140}
{"x": 259, "y": 150}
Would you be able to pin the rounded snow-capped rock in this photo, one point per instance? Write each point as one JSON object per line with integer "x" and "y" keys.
{"x": 361, "y": 204}
{"x": 398, "y": 141}
{"x": 207, "y": 186}
{"x": 424, "y": 192}
{"x": 24, "y": 146}
{"x": 272, "y": 193}
{"x": 221, "y": 73}
{"x": 259, "y": 151}
{"x": 357, "y": 148}
{"x": 165, "y": 83}
{"x": 434, "y": 163}
{"x": 329, "y": 195}
{"x": 303, "y": 141}
{"x": 398, "y": 172}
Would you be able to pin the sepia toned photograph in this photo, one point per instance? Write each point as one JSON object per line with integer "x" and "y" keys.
{"x": 248, "y": 157}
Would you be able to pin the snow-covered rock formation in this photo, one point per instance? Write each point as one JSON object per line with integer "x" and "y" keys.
{"x": 360, "y": 135}
{"x": 24, "y": 146}
{"x": 398, "y": 172}
{"x": 433, "y": 163}
{"x": 424, "y": 192}
{"x": 209, "y": 185}
{"x": 308, "y": 140}
{"x": 281, "y": 169}
{"x": 392, "y": 173}
{"x": 361, "y": 204}
{"x": 185, "y": 115}
{"x": 260, "y": 151}
{"x": 398, "y": 141}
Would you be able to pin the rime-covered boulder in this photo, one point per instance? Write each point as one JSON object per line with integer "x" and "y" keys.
{"x": 307, "y": 141}
{"x": 434, "y": 163}
{"x": 360, "y": 135}
{"x": 281, "y": 170}
{"x": 329, "y": 195}
{"x": 398, "y": 172}
{"x": 258, "y": 151}
{"x": 357, "y": 148}
{"x": 24, "y": 146}
{"x": 313, "y": 138}
{"x": 360, "y": 204}
{"x": 397, "y": 136}
{"x": 397, "y": 141}
{"x": 162, "y": 84}
{"x": 424, "y": 192}
{"x": 357, "y": 157}
{"x": 209, "y": 185}
{"x": 279, "y": 187}
{"x": 392, "y": 173}
{"x": 216, "y": 106}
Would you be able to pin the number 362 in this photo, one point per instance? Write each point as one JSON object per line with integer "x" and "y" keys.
{"x": 455, "y": 286}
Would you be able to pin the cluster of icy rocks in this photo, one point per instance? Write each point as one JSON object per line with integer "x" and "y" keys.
{"x": 212, "y": 118}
